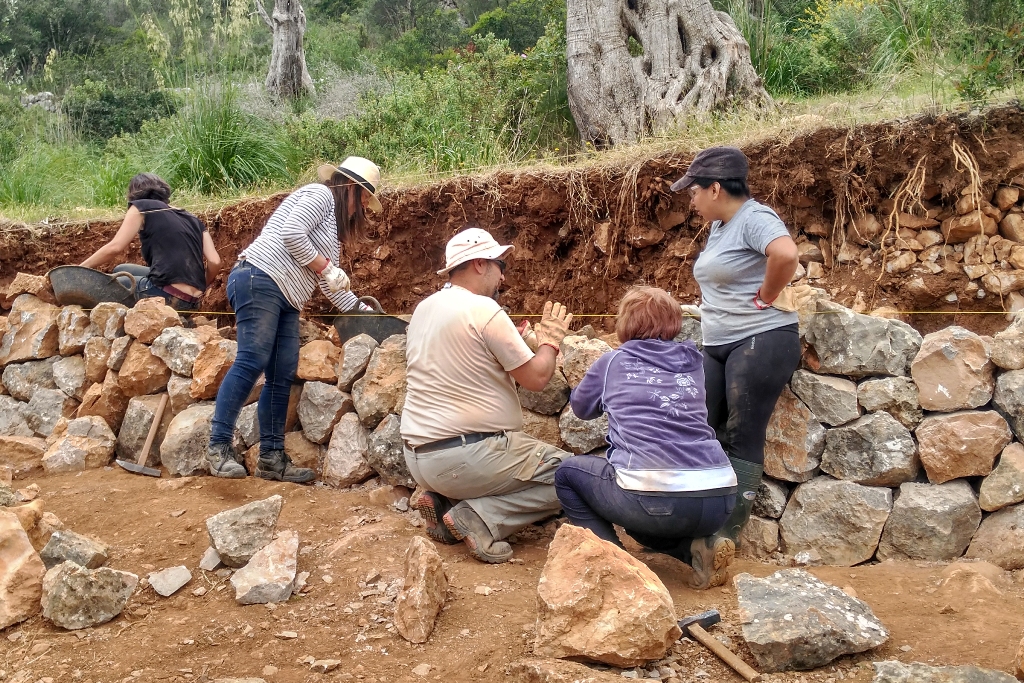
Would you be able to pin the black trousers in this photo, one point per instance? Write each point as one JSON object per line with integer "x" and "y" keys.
{"x": 744, "y": 379}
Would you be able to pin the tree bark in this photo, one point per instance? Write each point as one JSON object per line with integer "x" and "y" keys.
{"x": 694, "y": 61}
{"x": 287, "y": 77}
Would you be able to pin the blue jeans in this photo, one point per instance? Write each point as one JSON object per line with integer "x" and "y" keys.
{"x": 145, "y": 289}
{"x": 592, "y": 499}
{"x": 267, "y": 328}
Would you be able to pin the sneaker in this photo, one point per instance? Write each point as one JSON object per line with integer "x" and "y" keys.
{"x": 433, "y": 506}
{"x": 465, "y": 525}
{"x": 276, "y": 465}
{"x": 224, "y": 461}
{"x": 710, "y": 560}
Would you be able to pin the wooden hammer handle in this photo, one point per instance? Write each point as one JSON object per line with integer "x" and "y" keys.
{"x": 153, "y": 429}
{"x": 723, "y": 653}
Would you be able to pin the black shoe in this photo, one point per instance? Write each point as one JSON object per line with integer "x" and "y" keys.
{"x": 276, "y": 465}
{"x": 433, "y": 506}
{"x": 224, "y": 461}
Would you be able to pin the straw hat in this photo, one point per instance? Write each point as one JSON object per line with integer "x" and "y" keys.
{"x": 472, "y": 243}
{"x": 363, "y": 171}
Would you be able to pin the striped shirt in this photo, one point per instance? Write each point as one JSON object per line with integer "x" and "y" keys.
{"x": 300, "y": 229}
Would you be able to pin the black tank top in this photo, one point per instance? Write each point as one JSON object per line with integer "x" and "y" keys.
{"x": 172, "y": 244}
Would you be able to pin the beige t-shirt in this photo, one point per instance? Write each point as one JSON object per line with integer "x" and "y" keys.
{"x": 459, "y": 349}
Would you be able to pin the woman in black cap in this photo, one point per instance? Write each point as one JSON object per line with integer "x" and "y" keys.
{"x": 749, "y": 325}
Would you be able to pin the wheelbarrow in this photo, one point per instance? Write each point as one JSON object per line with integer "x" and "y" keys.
{"x": 375, "y": 323}
{"x": 85, "y": 287}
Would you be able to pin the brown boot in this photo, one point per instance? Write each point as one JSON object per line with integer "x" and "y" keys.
{"x": 710, "y": 560}
{"x": 433, "y": 506}
{"x": 467, "y": 526}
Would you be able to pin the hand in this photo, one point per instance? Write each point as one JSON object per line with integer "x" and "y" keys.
{"x": 691, "y": 311}
{"x": 793, "y": 297}
{"x": 335, "y": 278}
{"x": 529, "y": 335}
{"x": 553, "y": 326}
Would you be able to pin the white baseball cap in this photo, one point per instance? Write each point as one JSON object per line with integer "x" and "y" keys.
{"x": 472, "y": 243}
{"x": 363, "y": 171}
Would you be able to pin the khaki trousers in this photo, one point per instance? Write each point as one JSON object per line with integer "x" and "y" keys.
{"x": 507, "y": 479}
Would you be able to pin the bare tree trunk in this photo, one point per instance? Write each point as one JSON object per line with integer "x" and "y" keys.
{"x": 694, "y": 61}
{"x": 287, "y": 77}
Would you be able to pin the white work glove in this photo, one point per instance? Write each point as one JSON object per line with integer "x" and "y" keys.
{"x": 691, "y": 311}
{"x": 335, "y": 278}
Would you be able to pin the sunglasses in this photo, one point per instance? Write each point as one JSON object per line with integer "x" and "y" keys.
{"x": 501, "y": 265}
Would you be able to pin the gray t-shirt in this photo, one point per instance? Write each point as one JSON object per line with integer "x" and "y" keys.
{"x": 730, "y": 270}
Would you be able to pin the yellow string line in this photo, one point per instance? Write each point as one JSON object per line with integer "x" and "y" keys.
{"x": 578, "y": 315}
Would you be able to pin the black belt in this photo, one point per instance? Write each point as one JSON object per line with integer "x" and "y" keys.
{"x": 454, "y": 442}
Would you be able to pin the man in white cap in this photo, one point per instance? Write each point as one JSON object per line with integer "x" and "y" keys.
{"x": 462, "y": 422}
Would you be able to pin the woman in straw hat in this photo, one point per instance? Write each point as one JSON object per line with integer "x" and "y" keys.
{"x": 297, "y": 251}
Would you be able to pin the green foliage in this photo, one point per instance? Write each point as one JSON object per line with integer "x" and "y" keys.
{"x": 521, "y": 22}
{"x": 427, "y": 45}
{"x": 339, "y": 43}
{"x": 996, "y": 59}
{"x": 102, "y": 112}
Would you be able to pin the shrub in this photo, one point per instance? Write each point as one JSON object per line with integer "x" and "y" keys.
{"x": 521, "y": 22}
{"x": 102, "y": 112}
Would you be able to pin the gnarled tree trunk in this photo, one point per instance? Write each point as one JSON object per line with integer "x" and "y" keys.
{"x": 287, "y": 77}
{"x": 694, "y": 61}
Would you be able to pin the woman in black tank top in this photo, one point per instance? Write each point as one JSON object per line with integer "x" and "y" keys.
{"x": 174, "y": 246}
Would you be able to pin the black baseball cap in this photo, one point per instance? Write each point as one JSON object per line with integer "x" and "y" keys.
{"x": 717, "y": 163}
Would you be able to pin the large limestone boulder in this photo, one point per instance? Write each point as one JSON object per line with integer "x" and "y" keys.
{"x": 183, "y": 449}
{"x": 210, "y": 368}
{"x": 345, "y": 461}
{"x": 269, "y": 576}
{"x": 12, "y": 418}
{"x": 794, "y": 441}
{"x": 894, "y": 395}
{"x": 892, "y": 671}
{"x": 237, "y": 534}
{"x": 108, "y": 318}
{"x": 583, "y": 436}
{"x": 32, "y": 331}
{"x": 930, "y": 522}
{"x": 22, "y": 380}
{"x": 548, "y": 401}
{"x": 148, "y": 318}
{"x": 848, "y": 343}
{"x": 21, "y": 572}
{"x": 97, "y": 353}
{"x": 46, "y": 408}
{"x": 1005, "y": 486}
{"x": 963, "y": 444}
{"x": 318, "y": 362}
{"x": 179, "y": 347}
{"x": 320, "y": 407}
{"x": 423, "y": 593}
{"x": 75, "y": 597}
{"x": 595, "y": 601}
{"x": 87, "y": 443}
{"x": 578, "y": 354}
{"x": 142, "y": 373}
{"x": 105, "y": 400}
{"x": 1009, "y": 400}
{"x": 952, "y": 371}
{"x": 386, "y": 453}
{"x": 74, "y": 330}
{"x": 135, "y": 428}
{"x": 874, "y": 450}
{"x": 838, "y": 521}
{"x": 69, "y": 376}
{"x": 24, "y": 454}
{"x": 833, "y": 400}
{"x": 1000, "y": 539}
{"x": 355, "y": 356}
{"x": 381, "y": 389}
{"x": 793, "y": 620}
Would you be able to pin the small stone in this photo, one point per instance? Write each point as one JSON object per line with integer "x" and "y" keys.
{"x": 1005, "y": 486}
{"x": 355, "y": 356}
{"x": 270, "y": 575}
{"x": 75, "y": 597}
{"x": 210, "y": 560}
{"x": 237, "y": 534}
{"x": 322, "y": 666}
{"x": 345, "y": 461}
{"x": 423, "y": 593}
{"x": 578, "y": 354}
{"x": 67, "y": 546}
{"x": 421, "y": 669}
{"x": 286, "y": 635}
{"x": 833, "y": 400}
{"x": 483, "y": 590}
{"x": 583, "y": 436}
{"x": 168, "y": 581}
{"x": 962, "y": 444}
{"x": 930, "y": 522}
{"x": 794, "y": 440}
{"x": 199, "y": 592}
{"x": 952, "y": 371}
{"x": 792, "y": 620}
{"x": 771, "y": 499}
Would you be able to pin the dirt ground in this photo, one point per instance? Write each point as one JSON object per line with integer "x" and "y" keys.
{"x": 344, "y": 540}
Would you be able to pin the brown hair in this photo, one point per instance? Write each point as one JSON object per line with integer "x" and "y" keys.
{"x": 344, "y": 190}
{"x": 648, "y": 313}
{"x": 148, "y": 186}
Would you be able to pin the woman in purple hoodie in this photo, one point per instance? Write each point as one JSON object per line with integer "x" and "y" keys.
{"x": 666, "y": 479}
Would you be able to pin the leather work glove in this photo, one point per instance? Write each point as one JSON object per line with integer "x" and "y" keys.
{"x": 793, "y": 297}
{"x": 335, "y": 278}
{"x": 529, "y": 335}
{"x": 691, "y": 311}
{"x": 553, "y": 326}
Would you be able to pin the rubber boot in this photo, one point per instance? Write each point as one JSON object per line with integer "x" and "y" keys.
{"x": 278, "y": 466}
{"x": 225, "y": 461}
{"x": 748, "y": 478}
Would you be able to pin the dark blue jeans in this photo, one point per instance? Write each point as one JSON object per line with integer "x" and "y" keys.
{"x": 267, "y": 328}
{"x": 592, "y": 499}
{"x": 145, "y": 289}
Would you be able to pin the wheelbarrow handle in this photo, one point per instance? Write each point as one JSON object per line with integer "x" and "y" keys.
{"x": 114, "y": 276}
{"x": 372, "y": 302}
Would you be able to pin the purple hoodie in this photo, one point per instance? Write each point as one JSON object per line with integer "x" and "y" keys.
{"x": 653, "y": 392}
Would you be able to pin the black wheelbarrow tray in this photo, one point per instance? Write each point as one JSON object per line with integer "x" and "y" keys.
{"x": 85, "y": 287}
{"x": 375, "y": 323}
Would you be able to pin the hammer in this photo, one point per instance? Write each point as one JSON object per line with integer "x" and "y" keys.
{"x": 695, "y": 628}
{"x": 139, "y": 466}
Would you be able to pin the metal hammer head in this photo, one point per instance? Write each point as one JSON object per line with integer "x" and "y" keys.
{"x": 705, "y": 620}
{"x": 139, "y": 469}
